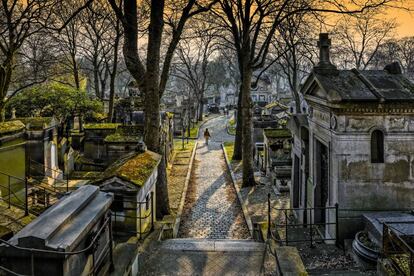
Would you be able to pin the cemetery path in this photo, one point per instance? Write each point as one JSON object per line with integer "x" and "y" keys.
{"x": 212, "y": 209}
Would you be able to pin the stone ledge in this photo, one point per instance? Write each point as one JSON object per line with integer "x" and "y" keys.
{"x": 177, "y": 221}
{"x": 220, "y": 245}
{"x": 289, "y": 261}
{"x": 239, "y": 196}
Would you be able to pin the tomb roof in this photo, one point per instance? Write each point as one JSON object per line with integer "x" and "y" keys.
{"x": 64, "y": 225}
{"x": 11, "y": 127}
{"x": 101, "y": 126}
{"x": 135, "y": 167}
{"x": 359, "y": 86}
{"x": 38, "y": 123}
{"x": 125, "y": 134}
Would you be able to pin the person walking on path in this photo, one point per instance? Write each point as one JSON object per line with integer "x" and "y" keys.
{"x": 207, "y": 135}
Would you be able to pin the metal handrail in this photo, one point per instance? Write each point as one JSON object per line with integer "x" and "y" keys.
{"x": 312, "y": 225}
{"x": 48, "y": 168}
{"x": 25, "y": 205}
{"x": 20, "y": 206}
{"x": 15, "y": 177}
{"x": 43, "y": 165}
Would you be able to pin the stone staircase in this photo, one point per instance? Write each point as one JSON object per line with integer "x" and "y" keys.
{"x": 204, "y": 257}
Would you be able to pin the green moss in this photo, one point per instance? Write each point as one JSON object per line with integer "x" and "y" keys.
{"x": 194, "y": 130}
{"x": 86, "y": 175}
{"x": 277, "y": 133}
{"x": 178, "y": 145}
{"x": 170, "y": 115}
{"x": 101, "y": 126}
{"x": 125, "y": 134}
{"x": 229, "y": 148}
{"x": 11, "y": 127}
{"x": 119, "y": 137}
{"x": 135, "y": 167}
{"x": 36, "y": 122}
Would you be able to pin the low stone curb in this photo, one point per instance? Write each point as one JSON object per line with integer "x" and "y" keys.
{"x": 184, "y": 193}
{"x": 239, "y": 196}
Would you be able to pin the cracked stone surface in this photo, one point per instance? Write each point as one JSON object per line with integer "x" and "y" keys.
{"x": 212, "y": 209}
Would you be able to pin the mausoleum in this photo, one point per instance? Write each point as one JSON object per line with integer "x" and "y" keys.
{"x": 355, "y": 146}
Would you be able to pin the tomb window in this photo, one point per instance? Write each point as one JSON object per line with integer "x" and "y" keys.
{"x": 118, "y": 204}
{"x": 377, "y": 146}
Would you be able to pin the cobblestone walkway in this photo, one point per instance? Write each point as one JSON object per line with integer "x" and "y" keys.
{"x": 212, "y": 209}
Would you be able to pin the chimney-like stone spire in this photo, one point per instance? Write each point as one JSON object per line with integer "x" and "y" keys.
{"x": 325, "y": 65}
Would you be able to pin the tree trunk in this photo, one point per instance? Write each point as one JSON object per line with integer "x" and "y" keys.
{"x": 246, "y": 108}
{"x": 96, "y": 78}
{"x": 103, "y": 84}
{"x": 152, "y": 99}
{"x": 113, "y": 74}
{"x": 200, "y": 110}
{"x": 111, "y": 96}
{"x": 152, "y": 77}
{"x": 296, "y": 97}
{"x": 76, "y": 77}
{"x": 238, "y": 140}
{"x": 5, "y": 80}
{"x": 163, "y": 201}
{"x": 2, "y": 112}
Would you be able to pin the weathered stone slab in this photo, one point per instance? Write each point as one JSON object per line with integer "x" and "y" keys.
{"x": 374, "y": 223}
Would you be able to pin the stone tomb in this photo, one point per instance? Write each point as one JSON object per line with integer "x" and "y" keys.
{"x": 277, "y": 156}
{"x": 42, "y": 146}
{"x": 355, "y": 145}
{"x": 132, "y": 179}
{"x": 69, "y": 226}
{"x": 403, "y": 222}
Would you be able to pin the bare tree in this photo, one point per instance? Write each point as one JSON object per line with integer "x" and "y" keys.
{"x": 112, "y": 63}
{"x": 406, "y": 46}
{"x": 96, "y": 24}
{"x": 194, "y": 56}
{"x": 253, "y": 24}
{"x": 150, "y": 79}
{"x": 68, "y": 41}
{"x": 19, "y": 21}
{"x": 359, "y": 37}
{"x": 295, "y": 48}
{"x": 386, "y": 53}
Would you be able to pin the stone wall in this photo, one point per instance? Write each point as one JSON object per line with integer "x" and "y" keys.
{"x": 387, "y": 185}
{"x": 354, "y": 181}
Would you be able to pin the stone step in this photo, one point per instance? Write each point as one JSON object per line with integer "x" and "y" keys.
{"x": 215, "y": 245}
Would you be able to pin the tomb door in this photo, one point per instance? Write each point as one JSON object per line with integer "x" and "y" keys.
{"x": 304, "y": 171}
{"x": 296, "y": 185}
{"x": 322, "y": 182}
